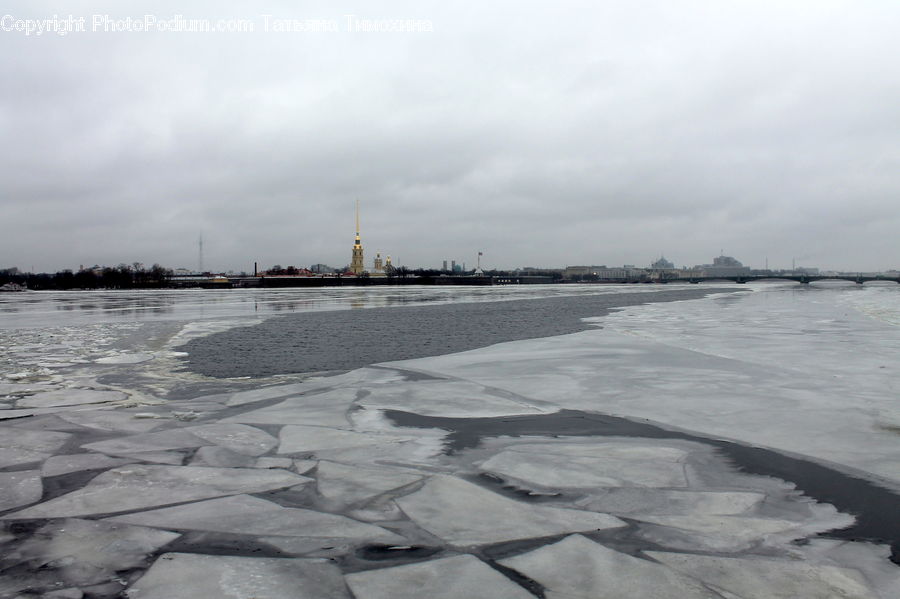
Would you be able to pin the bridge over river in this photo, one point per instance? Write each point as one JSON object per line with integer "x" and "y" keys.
{"x": 805, "y": 279}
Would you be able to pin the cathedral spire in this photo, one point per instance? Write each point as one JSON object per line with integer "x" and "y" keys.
{"x": 356, "y": 260}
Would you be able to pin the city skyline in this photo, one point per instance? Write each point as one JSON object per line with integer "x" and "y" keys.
{"x": 542, "y": 135}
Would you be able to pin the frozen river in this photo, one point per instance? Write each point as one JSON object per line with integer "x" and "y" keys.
{"x": 690, "y": 447}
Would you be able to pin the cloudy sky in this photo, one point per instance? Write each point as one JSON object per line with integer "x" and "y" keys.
{"x": 540, "y": 133}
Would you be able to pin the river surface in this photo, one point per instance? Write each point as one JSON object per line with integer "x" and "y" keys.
{"x": 666, "y": 439}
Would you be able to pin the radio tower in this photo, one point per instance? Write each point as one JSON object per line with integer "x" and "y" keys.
{"x": 200, "y": 255}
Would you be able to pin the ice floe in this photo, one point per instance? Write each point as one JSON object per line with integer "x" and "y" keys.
{"x": 84, "y": 552}
{"x": 759, "y": 578}
{"x": 77, "y": 462}
{"x": 239, "y": 438}
{"x": 20, "y": 488}
{"x": 732, "y": 533}
{"x": 299, "y": 438}
{"x": 447, "y": 578}
{"x": 463, "y": 514}
{"x": 872, "y": 561}
{"x": 577, "y": 567}
{"x": 634, "y": 500}
{"x": 172, "y": 458}
{"x": 599, "y": 463}
{"x": 300, "y": 411}
{"x": 21, "y": 446}
{"x": 127, "y": 488}
{"x": 47, "y": 422}
{"x": 286, "y": 463}
{"x": 125, "y": 358}
{"x": 243, "y": 514}
{"x": 220, "y": 457}
{"x": 69, "y": 397}
{"x": 346, "y": 484}
{"x": 189, "y": 576}
{"x": 125, "y": 421}
{"x": 21, "y": 389}
{"x": 239, "y": 398}
{"x": 453, "y": 399}
{"x": 159, "y": 441}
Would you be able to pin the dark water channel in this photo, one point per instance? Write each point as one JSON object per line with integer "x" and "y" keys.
{"x": 348, "y": 339}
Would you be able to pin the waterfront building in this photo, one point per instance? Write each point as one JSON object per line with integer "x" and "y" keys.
{"x": 723, "y": 266}
{"x": 662, "y": 264}
{"x": 356, "y": 259}
{"x": 321, "y": 269}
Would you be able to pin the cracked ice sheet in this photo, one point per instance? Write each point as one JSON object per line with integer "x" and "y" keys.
{"x": 243, "y": 514}
{"x": 84, "y": 552}
{"x": 798, "y": 372}
{"x": 172, "y": 458}
{"x": 220, "y": 457}
{"x": 20, "y": 488}
{"x": 69, "y": 397}
{"x": 463, "y": 514}
{"x": 321, "y": 409}
{"x": 299, "y": 438}
{"x": 873, "y": 561}
{"x": 239, "y": 438}
{"x": 125, "y": 358}
{"x": 311, "y": 387}
{"x": 577, "y": 567}
{"x": 159, "y": 441}
{"x": 461, "y": 576}
{"x": 64, "y": 464}
{"x": 350, "y": 484}
{"x": 23, "y": 388}
{"x": 126, "y": 421}
{"x": 127, "y": 488}
{"x": 736, "y": 533}
{"x": 189, "y": 576}
{"x": 753, "y": 578}
{"x": 597, "y": 463}
{"x": 630, "y": 500}
{"x": 21, "y": 446}
{"x": 452, "y": 399}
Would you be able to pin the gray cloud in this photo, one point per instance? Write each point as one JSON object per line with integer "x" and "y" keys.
{"x": 541, "y": 135}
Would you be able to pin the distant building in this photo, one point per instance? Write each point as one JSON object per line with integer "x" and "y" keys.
{"x": 321, "y": 269}
{"x": 627, "y": 272}
{"x": 723, "y": 266}
{"x": 579, "y": 271}
{"x": 662, "y": 264}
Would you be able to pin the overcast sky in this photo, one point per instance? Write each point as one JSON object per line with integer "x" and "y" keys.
{"x": 540, "y": 133}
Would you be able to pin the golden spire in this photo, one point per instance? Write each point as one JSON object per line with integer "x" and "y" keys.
{"x": 356, "y": 262}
